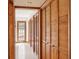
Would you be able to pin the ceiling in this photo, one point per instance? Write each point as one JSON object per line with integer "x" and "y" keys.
{"x": 29, "y": 3}
{"x": 24, "y": 14}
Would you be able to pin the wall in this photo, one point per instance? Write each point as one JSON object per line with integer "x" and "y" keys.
{"x": 55, "y": 30}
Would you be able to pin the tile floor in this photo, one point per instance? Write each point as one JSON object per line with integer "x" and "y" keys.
{"x": 24, "y": 51}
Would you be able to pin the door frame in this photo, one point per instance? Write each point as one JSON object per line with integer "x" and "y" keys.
{"x": 12, "y": 54}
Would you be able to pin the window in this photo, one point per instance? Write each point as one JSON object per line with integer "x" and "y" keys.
{"x": 21, "y": 31}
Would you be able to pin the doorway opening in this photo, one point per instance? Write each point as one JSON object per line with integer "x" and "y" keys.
{"x": 26, "y": 44}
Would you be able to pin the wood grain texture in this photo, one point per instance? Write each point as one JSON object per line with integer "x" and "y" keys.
{"x": 11, "y": 31}
{"x": 46, "y": 4}
{"x": 50, "y": 31}
{"x": 63, "y": 29}
{"x": 63, "y": 37}
{"x": 54, "y": 29}
{"x": 43, "y": 34}
{"x": 47, "y": 32}
{"x": 63, "y": 7}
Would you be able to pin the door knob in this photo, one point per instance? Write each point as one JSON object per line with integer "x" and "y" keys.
{"x": 45, "y": 42}
{"x": 53, "y": 46}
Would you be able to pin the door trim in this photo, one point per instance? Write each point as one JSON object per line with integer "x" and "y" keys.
{"x": 11, "y": 54}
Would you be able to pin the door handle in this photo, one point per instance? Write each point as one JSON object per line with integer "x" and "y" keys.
{"x": 53, "y": 46}
{"x": 46, "y": 42}
{"x": 43, "y": 41}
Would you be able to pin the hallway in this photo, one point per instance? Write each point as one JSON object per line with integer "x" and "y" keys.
{"x": 24, "y": 51}
{"x": 39, "y": 29}
{"x": 23, "y": 48}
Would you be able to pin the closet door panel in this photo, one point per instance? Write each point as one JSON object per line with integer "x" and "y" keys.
{"x": 54, "y": 10}
{"x": 63, "y": 36}
{"x": 47, "y": 33}
{"x": 43, "y": 34}
{"x": 54, "y": 29}
{"x": 63, "y": 7}
{"x": 64, "y": 45}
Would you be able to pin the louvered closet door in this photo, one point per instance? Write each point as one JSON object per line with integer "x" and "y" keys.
{"x": 43, "y": 35}
{"x": 47, "y": 32}
{"x": 54, "y": 29}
